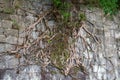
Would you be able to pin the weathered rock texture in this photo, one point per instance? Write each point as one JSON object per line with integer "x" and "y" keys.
{"x": 103, "y": 63}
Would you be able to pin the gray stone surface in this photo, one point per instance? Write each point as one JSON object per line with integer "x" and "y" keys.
{"x": 2, "y": 47}
{"x": 10, "y": 61}
{"x": 9, "y": 75}
{"x": 2, "y": 38}
{"x": 31, "y": 72}
{"x": 15, "y": 18}
{"x": 51, "y": 24}
{"x": 41, "y": 27}
{"x": 20, "y": 41}
{"x": 9, "y": 47}
{"x": 6, "y": 24}
{"x": 104, "y": 58}
{"x": 29, "y": 19}
{"x": 117, "y": 34}
{"x": 1, "y": 31}
{"x": 35, "y": 35}
{"x": 11, "y": 40}
{"x": 18, "y": 22}
{"x": 58, "y": 77}
{"x": 21, "y": 27}
{"x": 12, "y": 32}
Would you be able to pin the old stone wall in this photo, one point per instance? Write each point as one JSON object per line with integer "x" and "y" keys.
{"x": 102, "y": 63}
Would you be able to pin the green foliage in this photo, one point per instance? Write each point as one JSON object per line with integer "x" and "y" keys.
{"x": 109, "y": 6}
{"x": 8, "y": 10}
{"x": 63, "y": 8}
{"x": 82, "y": 17}
{"x": 65, "y": 15}
{"x": 57, "y": 3}
{"x": 61, "y": 5}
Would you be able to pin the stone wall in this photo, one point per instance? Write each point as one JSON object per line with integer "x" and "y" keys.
{"x": 103, "y": 63}
{"x": 105, "y": 60}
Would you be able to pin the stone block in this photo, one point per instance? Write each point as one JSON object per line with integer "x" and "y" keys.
{"x": 117, "y": 35}
{"x": 20, "y": 41}
{"x": 110, "y": 24}
{"x": 2, "y": 65}
{"x": 9, "y": 75}
{"x": 15, "y": 18}
{"x": 2, "y": 47}
{"x": 0, "y": 23}
{"x": 10, "y": 61}
{"x": 6, "y": 24}
{"x": 12, "y": 32}
{"x": 22, "y": 34}
{"x": 1, "y": 31}
{"x": 99, "y": 31}
{"x": 18, "y": 22}
{"x": 35, "y": 34}
{"x": 20, "y": 12}
{"x": 41, "y": 27}
{"x": 11, "y": 40}
{"x": 9, "y": 47}
{"x": 51, "y": 24}
{"x": 29, "y": 19}
{"x": 2, "y": 38}
{"x": 34, "y": 69}
{"x": 21, "y": 27}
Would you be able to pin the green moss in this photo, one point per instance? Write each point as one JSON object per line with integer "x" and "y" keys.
{"x": 63, "y": 9}
{"x": 53, "y": 72}
{"x": 15, "y": 25}
{"x": 82, "y": 17}
{"x": 109, "y": 6}
{"x": 59, "y": 54}
{"x": 65, "y": 15}
{"x": 59, "y": 58}
{"x": 9, "y": 10}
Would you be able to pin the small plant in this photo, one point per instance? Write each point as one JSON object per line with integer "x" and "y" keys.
{"x": 62, "y": 8}
{"x": 57, "y": 3}
{"x": 15, "y": 24}
{"x": 109, "y": 6}
{"x": 65, "y": 15}
{"x": 82, "y": 17}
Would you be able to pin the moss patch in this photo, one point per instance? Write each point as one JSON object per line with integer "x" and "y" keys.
{"x": 8, "y": 10}
{"x": 15, "y": 25}
{"x": 59, "y": 54}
